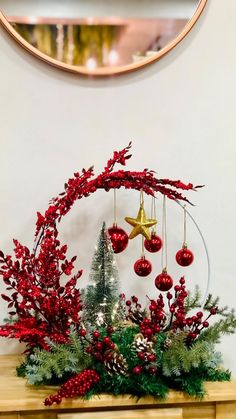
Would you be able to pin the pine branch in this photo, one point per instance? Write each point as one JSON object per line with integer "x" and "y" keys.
{"x": 179, "y": 358}
{"x": 225, "y": 326}
{"x": 46, "y": 366}
{"x": 211, "y": 302}
{"x": 193, "y": 301}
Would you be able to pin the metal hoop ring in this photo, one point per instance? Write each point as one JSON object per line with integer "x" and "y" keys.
{"x": 206, "y": 252}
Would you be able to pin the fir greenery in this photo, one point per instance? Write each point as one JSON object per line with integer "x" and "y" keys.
{"x": 180, "y": 358}
{"x": 226, "y": 324}
{"x": 56, "y": 365}
{"x": 193, "y": 301}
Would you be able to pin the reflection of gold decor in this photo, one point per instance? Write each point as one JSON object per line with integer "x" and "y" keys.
{"x": 74, "y": 44}
{"x": 120, "y": 57}
{"x": 98, "y": 44}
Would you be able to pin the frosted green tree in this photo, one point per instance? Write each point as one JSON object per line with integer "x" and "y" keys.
{"x": 102, "y": 296}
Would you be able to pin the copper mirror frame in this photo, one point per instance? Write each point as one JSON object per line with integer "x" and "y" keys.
{"x": 103, "y": 71}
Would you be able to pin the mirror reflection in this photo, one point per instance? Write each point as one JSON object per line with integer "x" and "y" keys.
{"x": 99, "y": 33}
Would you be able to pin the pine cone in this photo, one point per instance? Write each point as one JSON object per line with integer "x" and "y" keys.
{"x": 142, "y": 344}
{"x": 115, "y": 363}
{"x": 167, "y": 343}
{"x": 135, "y": 315}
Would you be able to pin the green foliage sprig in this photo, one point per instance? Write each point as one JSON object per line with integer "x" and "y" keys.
{"x": 224, "y": 326}
{"x": 55, "y": 365}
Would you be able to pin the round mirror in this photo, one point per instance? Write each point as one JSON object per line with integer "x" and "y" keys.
{"x": 99, "y": 37}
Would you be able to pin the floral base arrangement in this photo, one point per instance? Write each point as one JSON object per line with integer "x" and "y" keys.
{"x": 97, "y": 340}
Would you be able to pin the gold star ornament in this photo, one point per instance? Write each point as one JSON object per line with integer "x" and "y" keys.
{"x": 140, "y": 224}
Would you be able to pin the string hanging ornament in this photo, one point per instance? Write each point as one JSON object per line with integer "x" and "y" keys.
{"x": 142, "y": 267}
{"x": 184, "y": 257}
{"x": 119, "y": 238}
{"x": 141, "y": 223}
{"x": 163, "y": 281}
{"x": 155, "y": 243}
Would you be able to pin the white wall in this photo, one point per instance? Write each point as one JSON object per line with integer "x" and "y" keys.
{"x": 180, "y": 113}
{"x": 87, "y": 8}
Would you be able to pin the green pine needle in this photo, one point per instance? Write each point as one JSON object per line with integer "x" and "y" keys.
{"x": 57, "y": 364}
{"x": 102, "y": 297}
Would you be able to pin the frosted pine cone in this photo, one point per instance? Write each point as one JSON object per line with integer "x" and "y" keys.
{"x": 115, "y": 363}
{"x": 142, "y": 344}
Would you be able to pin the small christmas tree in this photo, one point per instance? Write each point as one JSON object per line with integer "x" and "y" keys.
{"x": 102, "y": 297}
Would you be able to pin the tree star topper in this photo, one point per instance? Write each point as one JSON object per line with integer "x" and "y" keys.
{"x": 141, "y": 224}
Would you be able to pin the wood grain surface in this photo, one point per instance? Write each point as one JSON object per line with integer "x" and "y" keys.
{"x": 19, "y": 400}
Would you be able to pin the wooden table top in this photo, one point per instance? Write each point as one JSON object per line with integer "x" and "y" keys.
{"x": 17, "y": 395}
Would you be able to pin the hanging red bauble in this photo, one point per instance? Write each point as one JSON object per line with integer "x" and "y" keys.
{"x": 119, "y": 238}
{"x": 184, "y": 256}
{"x": 164, "y": 282}
{"x": 154, "y": 244}
{"x": 142, "y": 267}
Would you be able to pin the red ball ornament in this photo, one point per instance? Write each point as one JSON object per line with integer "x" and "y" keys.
{"x": 163, "y": 282}
{"x": 142, "y": 267}
{"x": 119, "y": 238}
{"x": 154, "y": 244}
{"x": 184, "y": 257}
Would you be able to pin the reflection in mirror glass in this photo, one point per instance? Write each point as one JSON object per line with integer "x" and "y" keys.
{"x": 99, "y": 33}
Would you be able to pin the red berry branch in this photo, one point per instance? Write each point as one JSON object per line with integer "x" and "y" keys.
{"x": 174, "y": 318}
{"x": 81, "y": 185}
{"x": 41, "y": 306}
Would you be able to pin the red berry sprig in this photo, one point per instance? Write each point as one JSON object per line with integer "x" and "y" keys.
{"x": 76, "y": 386}
{"x": 157, "y": 320}
{"x": 134, "y": 309}
{"x": 99, "y": 346}
{"x": 192, "y": 325}
{"x": 197, "y": 323}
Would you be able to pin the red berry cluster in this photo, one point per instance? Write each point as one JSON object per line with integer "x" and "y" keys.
{"x": 193, "y": 324}
{"x": 196, "y": 323}
{"x": 134, "y": 301}
{"x": 148, "y": 326}
{"x": 76, "y": 386}
{"x": 157, "y": 317}
{"x": 100, "y": 346}
{"x": 146, "y": 357}
{"x": 177, "y": 307}
{"x": 36, "y": 293}
{"x": 139, "y": 369}
{"x": 134, "y": 312}
{"x": 156, "y": 322}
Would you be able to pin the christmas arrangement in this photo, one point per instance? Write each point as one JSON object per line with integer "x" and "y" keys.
{"x": 97, "y": 340}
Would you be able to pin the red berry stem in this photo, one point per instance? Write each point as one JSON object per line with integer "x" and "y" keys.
{"x": 77, "y": 386}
